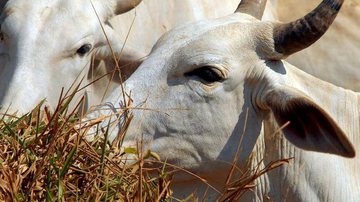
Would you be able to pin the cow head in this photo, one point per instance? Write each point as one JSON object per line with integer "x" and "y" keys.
{"x": 46, "y": 45}
{"x": 208, "y": 86}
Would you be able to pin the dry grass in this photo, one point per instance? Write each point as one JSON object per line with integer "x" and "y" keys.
{"x": 44, "y": 156}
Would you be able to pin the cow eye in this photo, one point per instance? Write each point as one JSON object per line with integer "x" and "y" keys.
{"x": 84, "y": 49}
{"x": 207, "y": 74}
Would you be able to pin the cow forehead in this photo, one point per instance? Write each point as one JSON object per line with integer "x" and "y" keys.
{"x": 42, "y": 21}
{"x": 39, "y": 5}
{"x": 189, "y": 32}
{"x": 52, "y": 12}
{"x": 205, "y": 42}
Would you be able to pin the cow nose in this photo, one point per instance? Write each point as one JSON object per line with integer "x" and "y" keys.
{"x": 116, "y": 111}
{"x": 110, "y": 116}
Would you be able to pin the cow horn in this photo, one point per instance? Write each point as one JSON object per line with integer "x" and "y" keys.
{"x": 254, "y": 8}
{"x": 123, "y": 6}
{"x": 297, "y": 35}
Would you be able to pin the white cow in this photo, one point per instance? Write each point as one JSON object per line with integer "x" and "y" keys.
{"x": 45, "y": 45}
{"x": 211, "y": 85}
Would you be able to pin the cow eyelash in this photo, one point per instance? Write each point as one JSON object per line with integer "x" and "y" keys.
{"x": 207, "y": 74}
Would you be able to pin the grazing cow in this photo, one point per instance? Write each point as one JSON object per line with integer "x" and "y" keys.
{"x": 211, "y": 85}
{"x": 45, "y": 45}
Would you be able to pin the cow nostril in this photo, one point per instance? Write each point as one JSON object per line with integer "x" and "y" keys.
{"x": 1, "y": 36}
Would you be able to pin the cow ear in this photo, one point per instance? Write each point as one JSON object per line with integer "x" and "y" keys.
{"x": 128, "y": 58}
{"x": 310, "y": 127}
{"x": 112, "y": 44}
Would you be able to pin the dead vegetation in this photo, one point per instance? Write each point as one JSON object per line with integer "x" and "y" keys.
{"x": 44, "y": 156}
